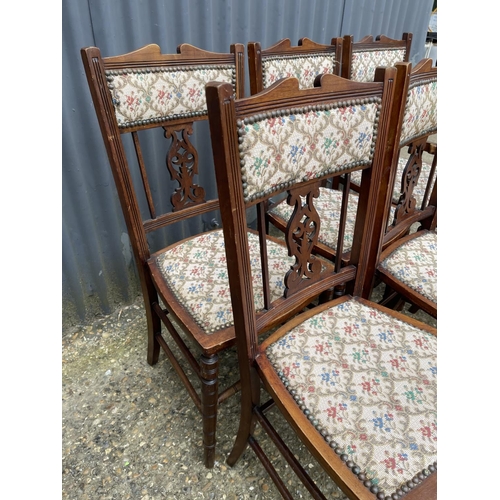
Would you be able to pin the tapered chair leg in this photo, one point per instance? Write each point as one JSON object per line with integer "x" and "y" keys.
{"x": 247, "y": 417}
{"x": 154, "y": 328}
{"x": 209, "y": 375}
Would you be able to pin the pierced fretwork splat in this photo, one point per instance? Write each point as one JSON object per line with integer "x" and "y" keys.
{"x": 301, "y": 236}
{"x": 182, "y": 163}
{"x": 407, "y": 203}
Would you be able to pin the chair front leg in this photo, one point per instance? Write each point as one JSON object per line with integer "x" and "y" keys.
{"x": 209, "y": 376}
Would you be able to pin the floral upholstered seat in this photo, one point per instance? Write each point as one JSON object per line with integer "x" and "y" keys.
{"x": 196, "y": 273}
{"x": 368, "y": 383}
{"x": 414, "y": 263}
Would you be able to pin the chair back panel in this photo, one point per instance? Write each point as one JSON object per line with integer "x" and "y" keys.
{"x": 304, "y": 62}
{"x": 281, "y": 148}
{"x": 364, "y": 62}
{"x": 420, "y": 116}
{"x": 159, "y": 94}
{"x": 360, "y": 59}
{"x": 304, "y": 68}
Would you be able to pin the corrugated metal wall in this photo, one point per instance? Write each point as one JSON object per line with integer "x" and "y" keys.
{"x": 98, "y": 269}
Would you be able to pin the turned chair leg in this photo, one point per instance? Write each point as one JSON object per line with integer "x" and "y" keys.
{"x": 209, "y": 371}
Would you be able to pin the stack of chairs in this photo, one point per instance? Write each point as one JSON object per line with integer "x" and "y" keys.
{"x": 329, "y": 365}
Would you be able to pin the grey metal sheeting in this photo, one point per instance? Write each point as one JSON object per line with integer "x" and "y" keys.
{"x": 98, "y": 268}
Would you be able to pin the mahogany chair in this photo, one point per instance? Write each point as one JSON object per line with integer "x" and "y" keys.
{"x": 359, "y": 60}
{"x": 330, "y": 200}
{"x": 408, "y": 265}
{"x": 281, "y": 60}
{"x": 142, "y": 98}
{"x": 335, "y": 372}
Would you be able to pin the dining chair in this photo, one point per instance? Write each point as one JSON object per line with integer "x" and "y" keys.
{"x": 303, "y": 61}
{"x": 408, "y": 264}
{"x": 330, "y": 200}
{"x": 355, "y": 381}
{"x": 362, "y": 57}
{"x": 149, "y": 106}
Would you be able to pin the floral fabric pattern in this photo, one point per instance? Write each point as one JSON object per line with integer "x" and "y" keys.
{"x": 304, "y": 68}
{"x": 286, "y": 149}
{"x": 369, "y": 381}
{"x": 421, "y": 111}
{"x": 196, "y": 272}
{"x": 158, "y": 93}
{"x": 364, "y": 63}
{"x": 415, "y": 264}
{"x": 418, "y": 190}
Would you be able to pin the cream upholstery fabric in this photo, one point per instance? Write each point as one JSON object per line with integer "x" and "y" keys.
{"x": 415, "y": 264}
{"x": 155, "y": 93}
{"x": 196, "y": 272}
{"x": 303, "y": 67}
{"x": 368, "y": 383}
{"x": 278, "y": 151}
{"x": 364, "y": 63}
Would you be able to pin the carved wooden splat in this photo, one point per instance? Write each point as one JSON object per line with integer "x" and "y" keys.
{"x": 301, "y": 236}
{"x": 407, "y": 203}
{"x": 182, "y": 163}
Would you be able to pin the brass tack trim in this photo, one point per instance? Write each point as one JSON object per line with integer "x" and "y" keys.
{"x": 355, "y": 469}
{"x": 318, "y": 108}
{"x": 111, "y": 74}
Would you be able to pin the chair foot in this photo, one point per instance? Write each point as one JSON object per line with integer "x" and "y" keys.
{"x": 209, "y": 371}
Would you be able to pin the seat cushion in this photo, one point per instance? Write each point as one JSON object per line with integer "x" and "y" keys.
{"x": 367, "y": 381}
{"x": 195, "y": 271}
{"x": 328, "y": 205}
{"x": 414, "y": 263}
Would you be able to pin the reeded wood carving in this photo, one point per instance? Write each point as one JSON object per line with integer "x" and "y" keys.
{"x": 182, "y": 163}
{"x": 407, "y": 202}
{"x": 301, "y": 237}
